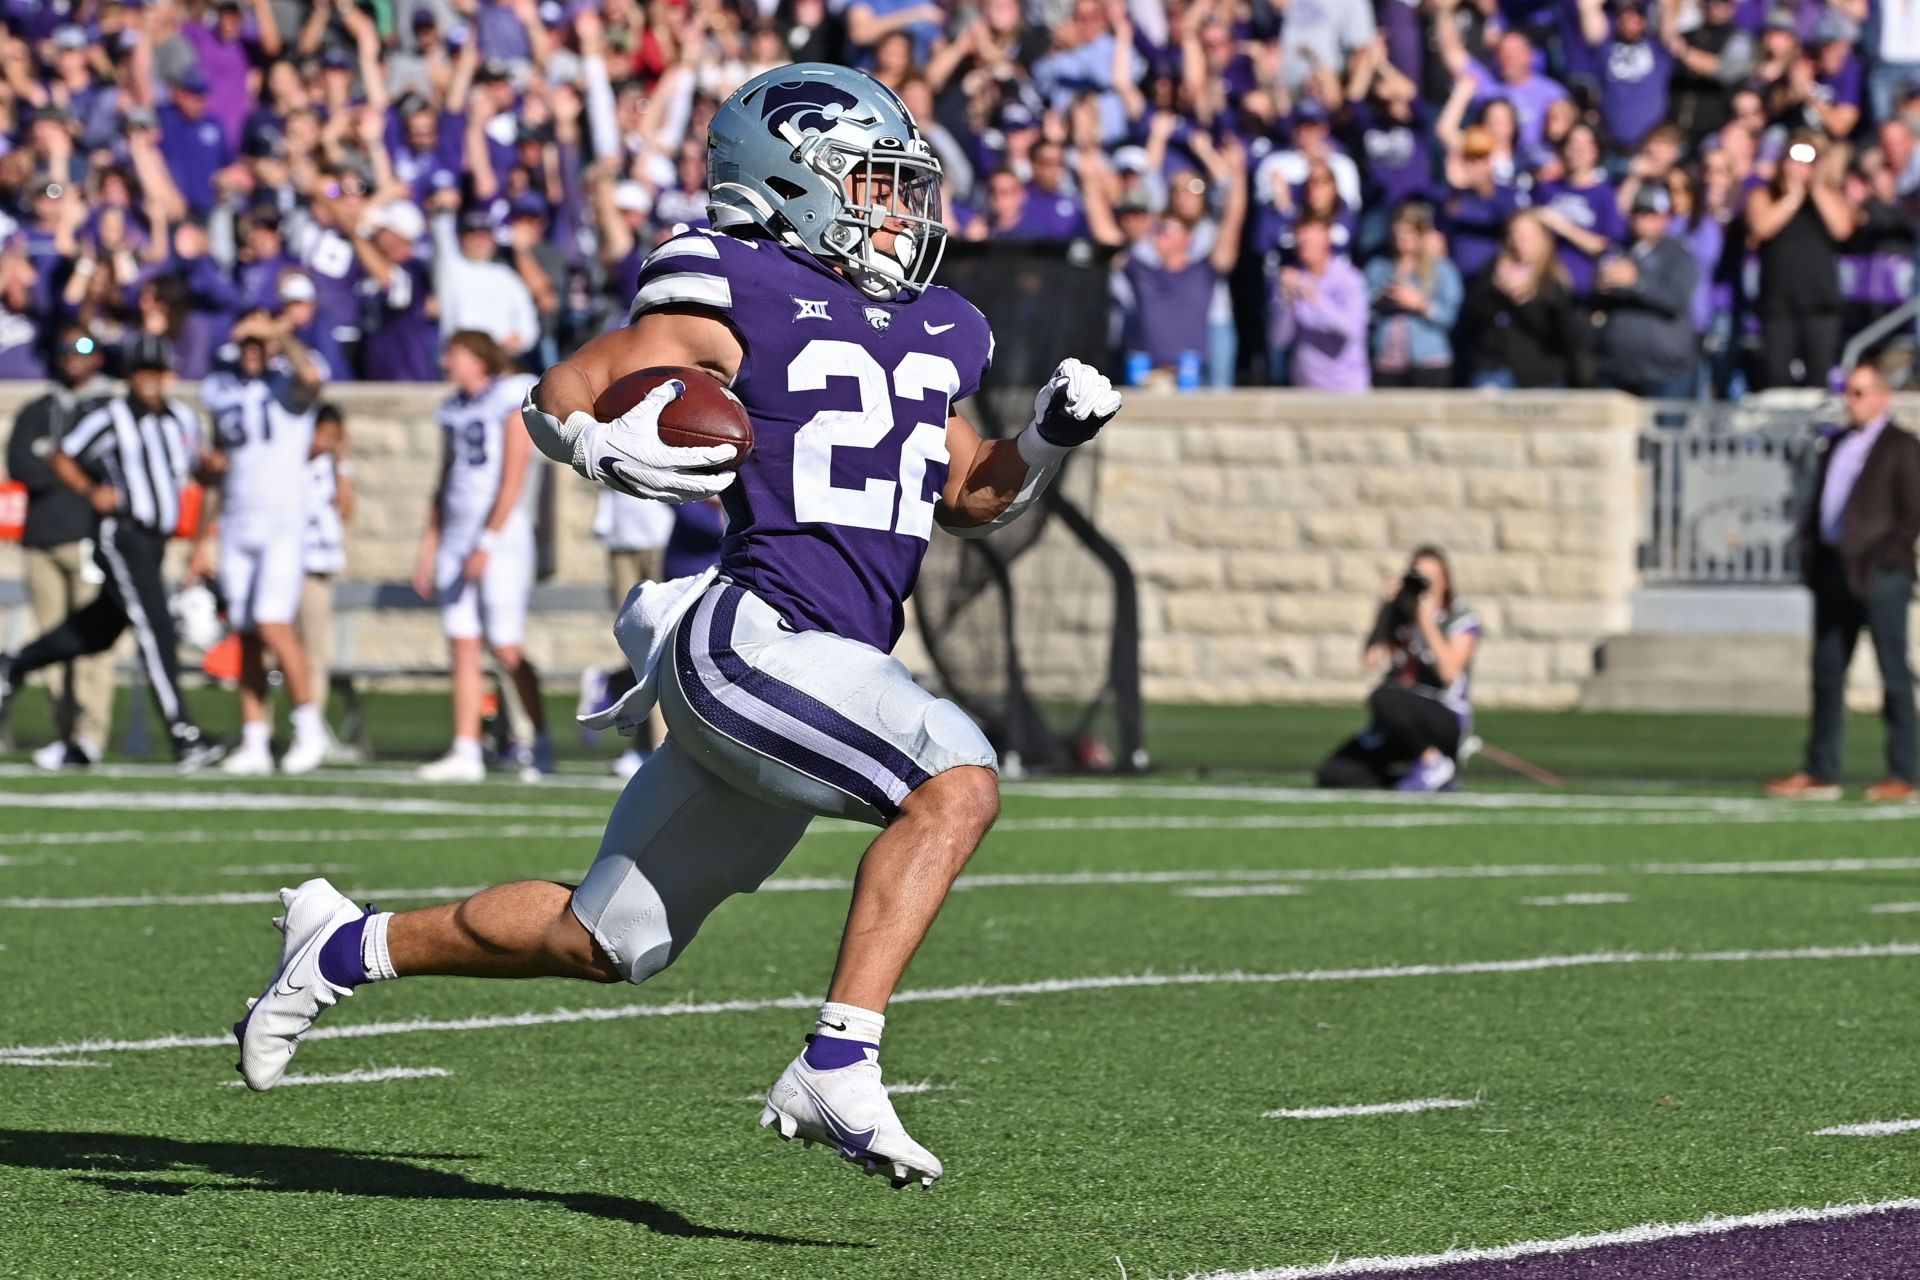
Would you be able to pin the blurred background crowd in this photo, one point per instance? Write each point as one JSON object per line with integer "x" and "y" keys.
{"x": 1698, "y": 198}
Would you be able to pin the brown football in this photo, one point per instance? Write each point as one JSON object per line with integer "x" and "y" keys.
{"x": 706, "y": 413}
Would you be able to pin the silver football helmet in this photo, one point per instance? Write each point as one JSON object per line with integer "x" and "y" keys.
{"x": 821, "y": 157}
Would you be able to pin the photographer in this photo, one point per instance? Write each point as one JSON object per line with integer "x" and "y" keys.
{"x": 1426, "y": 641}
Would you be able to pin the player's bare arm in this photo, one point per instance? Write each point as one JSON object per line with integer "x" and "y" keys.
{"x": 993, "y": 482}
{"x": 560, "y": 414}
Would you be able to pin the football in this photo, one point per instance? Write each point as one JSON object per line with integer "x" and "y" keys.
{"x": 705, "y": 414}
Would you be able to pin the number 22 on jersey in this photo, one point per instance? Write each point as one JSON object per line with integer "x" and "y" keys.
{"x": 816, "y": 499}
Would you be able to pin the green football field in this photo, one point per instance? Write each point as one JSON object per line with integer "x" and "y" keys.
{"x": 1628, "y": 1003}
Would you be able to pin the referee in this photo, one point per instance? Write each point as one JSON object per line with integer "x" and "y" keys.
{"x": 130, "y": 459}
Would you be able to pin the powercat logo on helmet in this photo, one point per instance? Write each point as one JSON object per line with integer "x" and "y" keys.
{"x": 809, "y": 106}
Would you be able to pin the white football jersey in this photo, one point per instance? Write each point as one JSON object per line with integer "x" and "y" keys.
{"x": 325, "y": 550}
{"x": 267, "y": 442}
{"x": 472, "y": 428}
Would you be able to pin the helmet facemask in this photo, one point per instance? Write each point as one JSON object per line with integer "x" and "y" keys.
{"x": 886, "y": 187}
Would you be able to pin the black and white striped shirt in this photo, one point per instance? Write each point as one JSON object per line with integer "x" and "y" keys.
{"x": 146, "y": 454}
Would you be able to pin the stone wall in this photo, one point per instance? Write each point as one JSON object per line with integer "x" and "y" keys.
{"x": 1261, "y": 523}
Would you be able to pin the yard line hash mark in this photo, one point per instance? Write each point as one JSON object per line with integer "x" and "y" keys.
{"x": 990, "y": 991}
{"x": 1370, "y": 1109}
{"x": 1242, "y": 891}
{"x": 1578, "y": 900}
{"x": 1646, "y": 1233}
{"x": 1875, "y": 1129}
{"x": 376, "y": 1075}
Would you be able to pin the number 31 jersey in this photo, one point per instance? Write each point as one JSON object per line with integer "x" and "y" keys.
{"x": 832, "y": 513}
{"x": 266, "y": 432}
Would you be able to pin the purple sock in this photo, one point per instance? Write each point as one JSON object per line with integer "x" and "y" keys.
{"x": 340, "y": 961}
{"x": 824, "y": 1053}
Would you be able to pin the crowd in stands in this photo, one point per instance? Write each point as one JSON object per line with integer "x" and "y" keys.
{"x": 1700, "y": 195}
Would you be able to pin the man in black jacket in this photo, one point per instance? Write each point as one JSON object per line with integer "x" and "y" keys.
{"x": 1647, "y": 343}
{"x": 1857, "y": 540}
{"x": 58, "y": 544}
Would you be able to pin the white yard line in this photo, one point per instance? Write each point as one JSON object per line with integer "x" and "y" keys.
{"x": 1877, "y": 1129}
{"x": 822, "y": 827}
{"x": 191, "y": 800}
{"x": 1578, "y": 900}
{"x": 50, "y": 1062}
{"x": 1648, "y": 1233}
{"x": 1271, "y": 881}
{"x": 1370, "y": 1109}
{"x": 370, "y": 1076}
{"x": 995, "y": 991}
{"x": 310, "y": 835}
{"x": 1446, "y": 799}
{"x": 1243, "y": 891}
{"x": 285, "y": 869}
{"x": 1895, "y": 908}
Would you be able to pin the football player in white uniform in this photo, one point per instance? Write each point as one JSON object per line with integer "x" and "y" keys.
{"x": 476, "y": 556}
{"x": 261, "y": 398}
{"x": 329, "y": 507}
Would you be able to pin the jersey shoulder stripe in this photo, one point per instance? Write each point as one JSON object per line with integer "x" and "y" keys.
{"x": 691, "y": 269}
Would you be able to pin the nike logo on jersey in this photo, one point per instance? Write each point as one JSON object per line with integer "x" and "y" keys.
{"x": 937, "y": 329}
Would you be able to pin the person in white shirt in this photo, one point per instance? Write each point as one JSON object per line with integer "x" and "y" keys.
{"x": 476, "y": 291}
{"x": 261, "y": 398}
{"x": 329, "y": 507}
{"x": 476, "y": 556}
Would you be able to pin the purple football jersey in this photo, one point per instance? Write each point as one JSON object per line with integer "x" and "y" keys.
{"x": 849, "y": 397}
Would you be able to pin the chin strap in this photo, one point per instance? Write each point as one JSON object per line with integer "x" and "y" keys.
{"x": 1044, "y": 461}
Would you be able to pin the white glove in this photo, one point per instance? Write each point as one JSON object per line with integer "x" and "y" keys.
{"x": 1074, "y": 404}
{"x": 627, "y": 456}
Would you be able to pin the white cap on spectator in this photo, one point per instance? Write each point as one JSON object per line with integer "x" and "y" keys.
{"x": 401, "y": 218}
{"x": 1130, "y": 159}
{"x": 70, "y": 36}
{"x": 631, "y": 197}
{"x": 295, "y": 287}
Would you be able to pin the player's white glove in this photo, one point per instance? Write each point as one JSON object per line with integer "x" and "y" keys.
{"x": 1074, "y": 404}
{"x": 627, "y": 456}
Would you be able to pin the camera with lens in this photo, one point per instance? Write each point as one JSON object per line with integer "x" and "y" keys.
{"x": 1406, "y": 601}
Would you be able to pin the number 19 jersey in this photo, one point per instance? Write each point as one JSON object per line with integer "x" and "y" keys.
{"x": 833, "y": 511}
{"x": 473, "y": 428}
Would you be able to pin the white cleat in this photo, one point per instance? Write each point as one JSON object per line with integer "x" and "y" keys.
{"x": 305, "y": 755}
{"x": 452, "y": 768}
{"x": 284, "y": 1012}
{"x": 848, "y": 1109}
{"x": 248, "y": 764}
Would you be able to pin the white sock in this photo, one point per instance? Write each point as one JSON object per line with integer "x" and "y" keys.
{"x": 849, "y": 1022}
{"x": 466, "y": 749}
{"x": 373, "y": 947}
{"x": 256, "y": 735}
{"x": 307, "y": 722}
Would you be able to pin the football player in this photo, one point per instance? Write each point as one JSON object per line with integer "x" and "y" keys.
{"x": 476, "y": 556}
{"x": 261, "y": 397}
{"x": 813, "y": 300}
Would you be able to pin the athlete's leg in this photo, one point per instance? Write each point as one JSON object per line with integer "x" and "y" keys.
{"x": 253, "y": 679}
{"x": 526, "y": 682}
{"x": 679, "y": 842}
{"x": 522, "y": 930}
{"x": 278, "y": 637}
{"x": 467, "y": 687}
{"x": 904, "y": 878}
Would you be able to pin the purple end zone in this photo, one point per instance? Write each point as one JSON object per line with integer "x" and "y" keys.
{"x": 1880, "y": 1246}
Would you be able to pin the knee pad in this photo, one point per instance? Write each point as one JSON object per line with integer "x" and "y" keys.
{"x": 627, "y": 918}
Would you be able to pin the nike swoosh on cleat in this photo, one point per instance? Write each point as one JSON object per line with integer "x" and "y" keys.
{"x": 852, "y": 1142}
{"x": 937, "y": 329}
